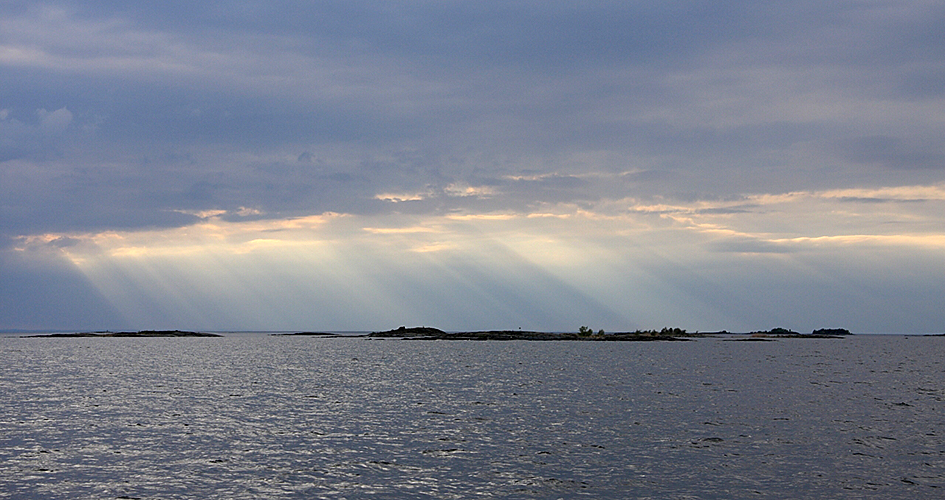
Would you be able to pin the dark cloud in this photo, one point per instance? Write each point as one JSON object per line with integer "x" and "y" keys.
{"x": 646, "y": 176}
{"x": 37, "y": 137}
{"x": 546, "y": 34}
{"x": 728, "y": 210}
{"x": 45, "y": 291}
{"x": 860, "y": 199}
{"x": 893, "y": 152}
{"x": 749, "y": 245}
{"x": 91, "y": 199}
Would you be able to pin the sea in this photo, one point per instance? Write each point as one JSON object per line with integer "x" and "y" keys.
{"x": 265, "y": 416}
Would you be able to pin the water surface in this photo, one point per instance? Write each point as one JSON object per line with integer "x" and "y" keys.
{"x": 257, "y": 416}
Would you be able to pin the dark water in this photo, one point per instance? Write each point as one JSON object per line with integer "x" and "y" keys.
{"x": 257, "y": 416}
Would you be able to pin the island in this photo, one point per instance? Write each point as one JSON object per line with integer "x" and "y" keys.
{"x": 823, "y": 333}
{"x": 142, "y": 333}
{"x": 316, "y": 334}
{"x": 584, "y": 334}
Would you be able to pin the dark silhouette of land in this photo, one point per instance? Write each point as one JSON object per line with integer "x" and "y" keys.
{"x": 586, "y": 334}
{"x": 824, "y": 333}
{"x": 143, "y": 333}
{"x": 430, "y": 333}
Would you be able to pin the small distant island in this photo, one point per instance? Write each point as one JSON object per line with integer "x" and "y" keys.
{"x": 823, "y": 333}
{"x": 142, "y": 333}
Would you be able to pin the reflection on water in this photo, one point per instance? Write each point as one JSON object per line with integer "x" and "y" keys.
{"x": 257, "y": 416}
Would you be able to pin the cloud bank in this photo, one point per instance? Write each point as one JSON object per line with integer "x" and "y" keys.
{"x": 346, "y": 165}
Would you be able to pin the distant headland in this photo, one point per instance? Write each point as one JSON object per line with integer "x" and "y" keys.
{"x": 142, "y": 333}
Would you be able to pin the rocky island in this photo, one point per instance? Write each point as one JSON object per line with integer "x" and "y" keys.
{"x": 142, "y": 333}
{"x": 586, "y": 334}
{"x": 429, "y": 333}
{"x": 823, "y": 333}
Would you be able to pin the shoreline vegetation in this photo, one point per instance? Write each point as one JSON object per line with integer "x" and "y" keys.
{"x": 429, "y": 333}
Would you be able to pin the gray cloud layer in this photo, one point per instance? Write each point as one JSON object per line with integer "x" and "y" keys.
{"x": 133, "y": 115}
{"x": 420, "y": 94}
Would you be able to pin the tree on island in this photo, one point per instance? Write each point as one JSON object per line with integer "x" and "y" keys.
{"x": 823, "y": 332}
{"x": 831, "y": 331}
{"x": 587, "y": 332}
{"x": 775, "y": 331}
{"x": 664, "y": 332}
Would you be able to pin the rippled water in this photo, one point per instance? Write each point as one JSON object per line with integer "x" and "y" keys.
{"x": 258, "y": 416}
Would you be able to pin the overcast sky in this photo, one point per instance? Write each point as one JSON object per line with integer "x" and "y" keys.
{"x": 354, "y": 165}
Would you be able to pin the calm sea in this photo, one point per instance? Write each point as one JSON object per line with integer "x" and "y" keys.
{"x": 258, "y": 416}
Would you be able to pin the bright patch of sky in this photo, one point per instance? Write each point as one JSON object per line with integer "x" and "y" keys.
{"x": 471, "y": 165}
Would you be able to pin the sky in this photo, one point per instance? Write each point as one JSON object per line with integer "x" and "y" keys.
{"x": 361, "y": 165}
